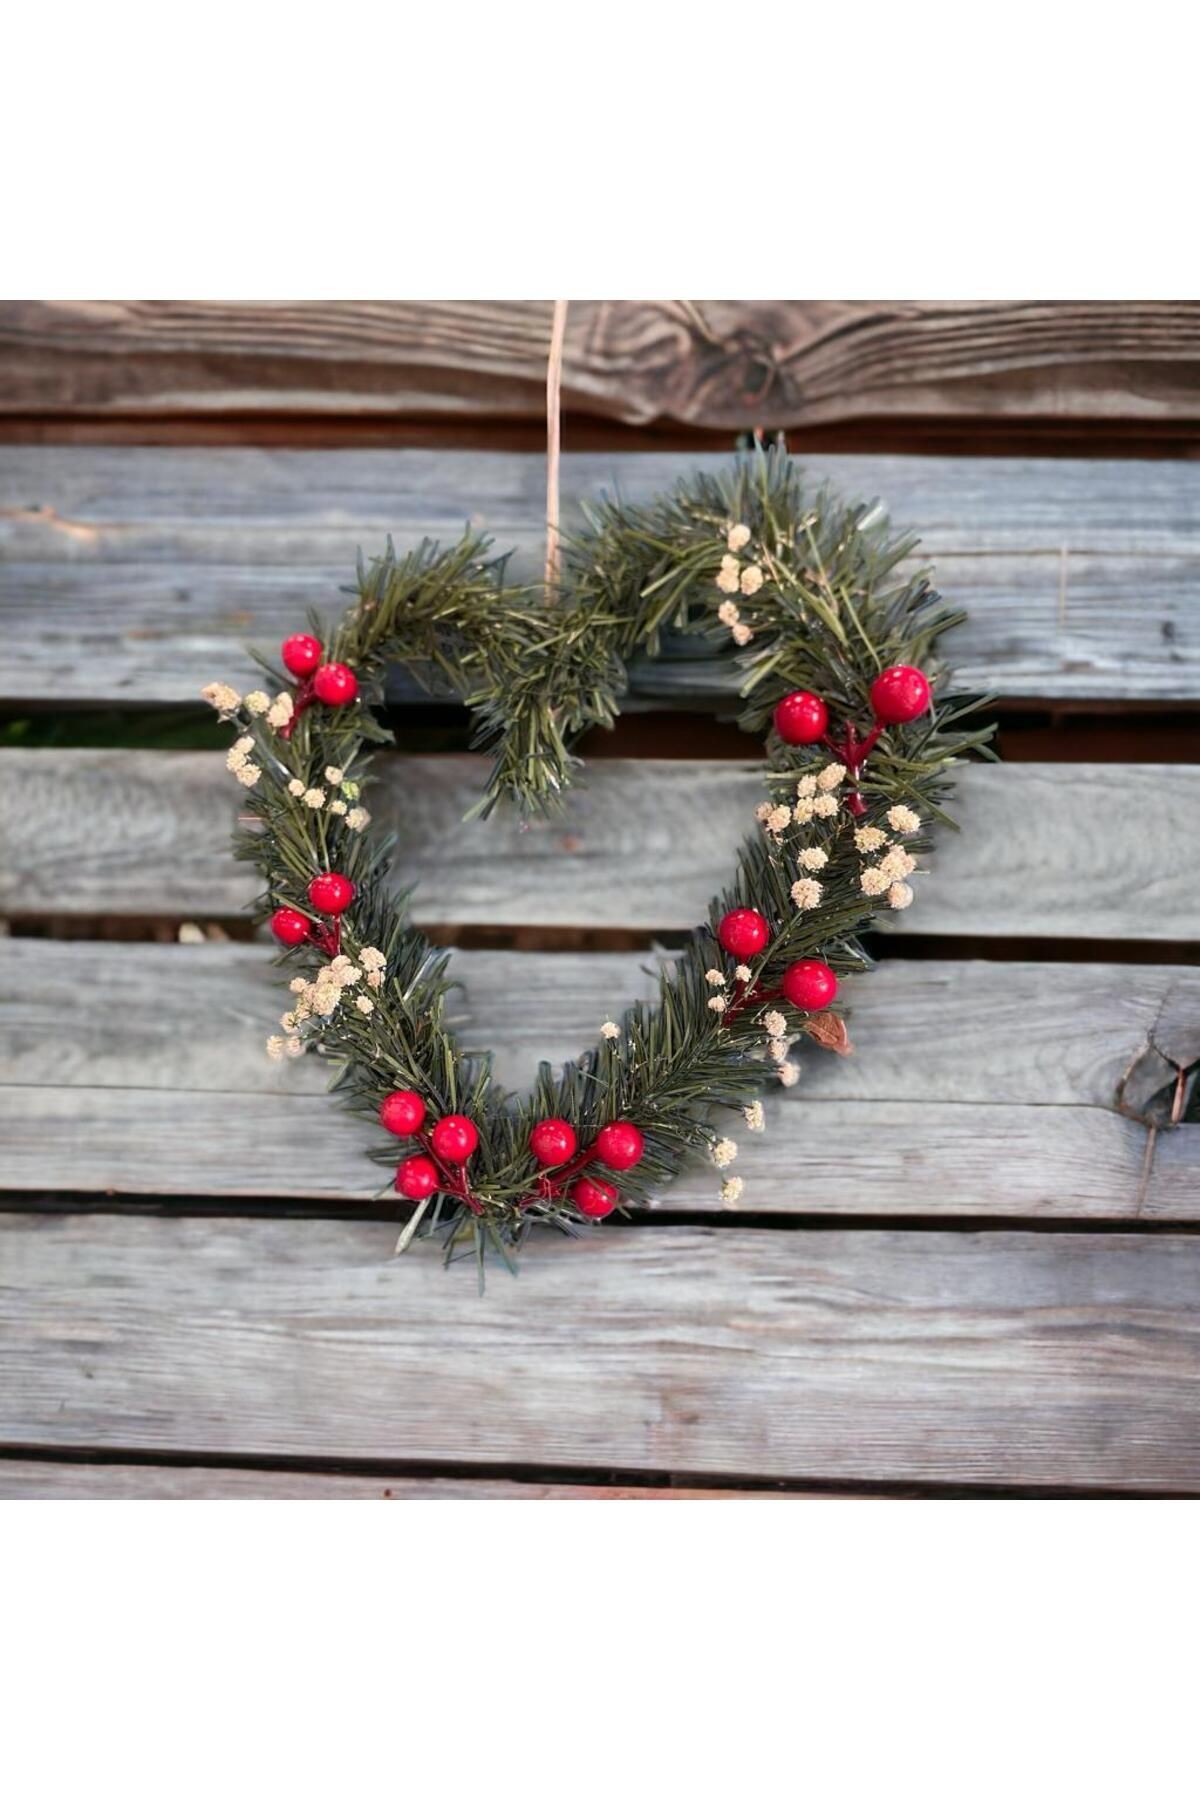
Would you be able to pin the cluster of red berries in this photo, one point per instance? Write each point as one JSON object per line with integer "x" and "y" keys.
{"x": 898, "y": 696}
{"x": 333, "y": 683}
{"x": 810, "y": 985}
{"x": 552, "y": 1142}
{"x": 329, "y": 894}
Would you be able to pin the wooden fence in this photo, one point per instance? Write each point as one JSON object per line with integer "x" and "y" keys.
{"x": 972, "y": 1263}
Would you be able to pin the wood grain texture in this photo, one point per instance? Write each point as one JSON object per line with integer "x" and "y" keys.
{"x": 1062, "y": 850}
{"x": 31, "y": 1480}
{"x": 720, "y": 364}
{"x": 977, "y": 1089}
{"x": 135, "y": 576}
{"x": 828, "y": 1356}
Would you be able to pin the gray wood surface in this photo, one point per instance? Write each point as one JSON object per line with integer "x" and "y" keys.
{"x": 976, "y": 1088}
{"x": 710, "y": 363}
{"x": 25, "y": 1479}
{"x": 1064, "y": 850}
{"x": 135, "y": 575}
{"x": 825, "y": 1356}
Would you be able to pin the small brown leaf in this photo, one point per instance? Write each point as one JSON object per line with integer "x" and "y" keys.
{"x": 828, "y": 1030}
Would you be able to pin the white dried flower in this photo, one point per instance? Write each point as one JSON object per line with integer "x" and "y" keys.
{"x": 221, "y": 696}
{"x": 609, "y": 1030}
{"x": 900, "y": 895}
{"x": 297, "y": 984}
{"x": 248, "y": 774}
{"x": 754, "y": 1116}
{"x": 347, "y": 977}
{"x": 325, "y": 997}
{"x": 189, "y": 933}
{"x": 739, "y": 537}
{"x": 812, "y": 858}
{"x": 806, "y": 787}
{"x": 256, "y": 702}
{"x": 903, "y": 818}
{"x": 728, "y": 613}
{"x": 898, "y": 863}
{"x": 779, "y": 818}
{"x": 806, "y": 893}
{"x": 825, "y": 806}
{"x": 831, "y": 776}
{"x": 375, "y": 978}
{"x": 341, "y": 961}
{"x": 802, "y": 812}
{"x": 723, "y": 1152}
{"x": 873, "y": 880}
{"x": 789, "y": 1073}
{"x": 727, "y": 575}
{"x": 868, "y": 838}
{"x": 365, "y": 1004}
{"x": 774, "y": 1024}
{"x": 370, "y": 958}
{"x": 777, "y": 1049}
{"x": 338, "y": 807}
{"x": 717, "y": 1004}
{"x": 715, "y": 977}
{"x": 334, "y": 776}
{"x": 731, "y": 1190}
{"x": 752, "y": 579}
{"x": 762, "y": 811}
{"x": 275, "y": 1048}
{"x": 288, "y": 1021}
{"x": 294, "y": 1046}
{"x": 314, "y": 798}
{"x": 742, "y": 972}
{"x": 280, "y": 711}
{"x": 295, "y": 787}
{"x": 357, "y": 818}
{"x": 741, "y": 635}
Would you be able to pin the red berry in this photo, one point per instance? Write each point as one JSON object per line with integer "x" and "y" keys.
{"x": 335, "y": 684}
{"x": 331, "y": 894}
{"x": 553, "y": 1141}
{"x": 899, "y": 695}
{"x": 416, "y": 1178}
{"x": 594, "y": 1199}
{"x": 454, "y": 1138}
{"x": 811, "y": 986}
{"x": 301, "y": 653}
{"x": 801, "y": 718}
{"x": 744, "y": 932}
{"x": 403, "y": 1112}
{"x": 620, "y": 1145}
{"x": 290, "y": 927}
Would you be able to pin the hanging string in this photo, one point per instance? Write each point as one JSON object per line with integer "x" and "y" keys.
{"x": 558, "y": 332}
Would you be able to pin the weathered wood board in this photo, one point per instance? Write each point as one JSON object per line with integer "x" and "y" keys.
{"x": 710, "y": 363}
{"x": 1011, "y": 1358}
{"x": 976, "y": 1088}
{"x": 138, "y": 575}
{"x": 1064, "y": 850}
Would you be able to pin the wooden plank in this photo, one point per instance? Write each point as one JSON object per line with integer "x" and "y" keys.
{"x": 1013, "y": 1358}
{"x": 1065, "y": 850}
{"x": 138, "y": 575}
{"x": 977, "y": 1089}
{"x": 719, "y": 364}
{"x": 25, "y": 1479}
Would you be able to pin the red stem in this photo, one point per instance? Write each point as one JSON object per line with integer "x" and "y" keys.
{"x": 303, "y": 697}
{"x": 453, "y": 1176}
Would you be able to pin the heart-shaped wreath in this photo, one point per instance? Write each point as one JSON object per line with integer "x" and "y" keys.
{"x": 837, "y": 653}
